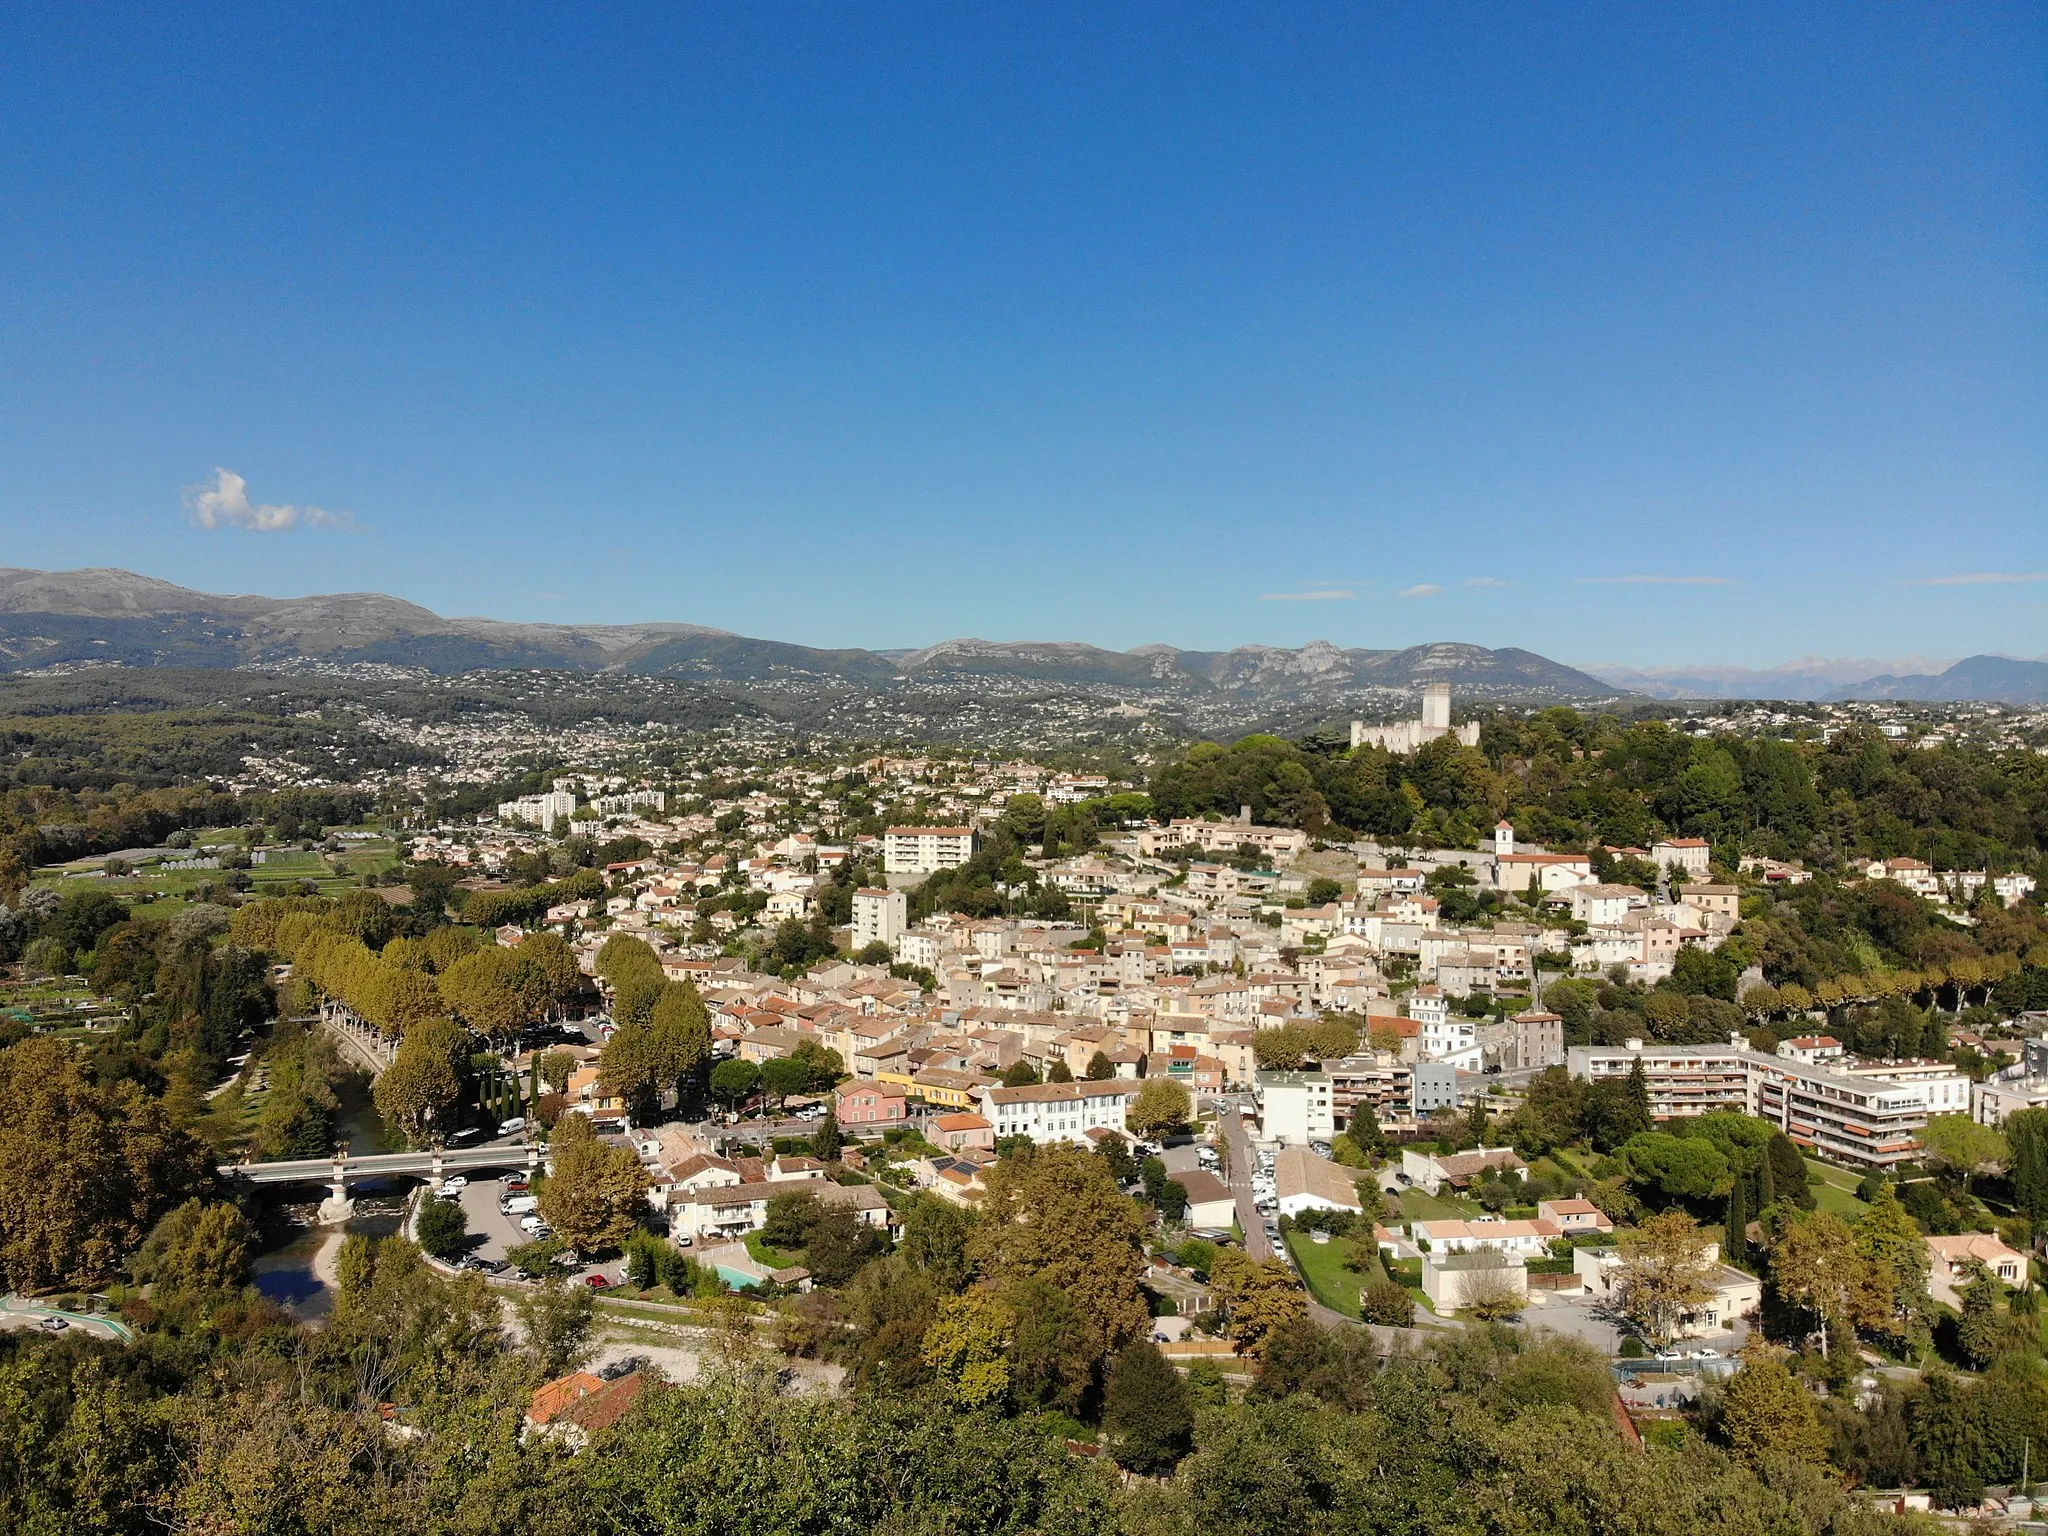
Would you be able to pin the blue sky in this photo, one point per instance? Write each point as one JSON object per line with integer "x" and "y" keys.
{"x": 1651, "y": 334}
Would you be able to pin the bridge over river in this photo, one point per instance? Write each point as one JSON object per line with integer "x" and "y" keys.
{"x": 337, "y": 1173}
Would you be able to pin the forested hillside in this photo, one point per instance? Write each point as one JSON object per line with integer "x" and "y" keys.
{"x": 1573, "y": 780}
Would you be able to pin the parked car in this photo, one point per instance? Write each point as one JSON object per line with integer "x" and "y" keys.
{"x": 456, "y": 1182}
{"x": 684, "y": 1240}
{"x": 492, "y": 1266}
{"x": 450, "y": 1195}
{"x": 55, "y": 1324}
{"x": 514, "y": 1182}
{"x": 597, "y": 1282}
{"x": 530, "y": 1222}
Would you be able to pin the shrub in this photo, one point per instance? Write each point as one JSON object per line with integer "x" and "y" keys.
{"x": 1387, "y": 1304}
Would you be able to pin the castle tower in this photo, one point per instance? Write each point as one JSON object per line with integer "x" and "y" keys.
{"x": 1436, "y": 708}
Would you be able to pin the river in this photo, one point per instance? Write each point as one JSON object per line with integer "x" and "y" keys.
{"x": 295, "y": 1263}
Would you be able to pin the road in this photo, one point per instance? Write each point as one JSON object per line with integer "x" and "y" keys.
{"x": 15, "y": 1312}
{"x": 1242, "y": 1162}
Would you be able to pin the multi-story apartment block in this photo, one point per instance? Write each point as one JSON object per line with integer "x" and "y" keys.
{"x": 1297, "y": 1107}
{"x": 543, "y": 810}
{"x": 926, "y": 850}
{"x": 879, "y": 917}
{"x": 1868, "y": 1114}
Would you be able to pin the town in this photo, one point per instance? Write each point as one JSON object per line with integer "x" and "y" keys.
{"x": 710, "y": 1057}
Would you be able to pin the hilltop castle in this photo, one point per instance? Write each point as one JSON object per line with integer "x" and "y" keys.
{"x": 1408, "y": 735}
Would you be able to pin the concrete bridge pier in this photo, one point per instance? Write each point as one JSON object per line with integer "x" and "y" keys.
{"x": 337, "y": 1207}
{"x": 435, "y": 1177}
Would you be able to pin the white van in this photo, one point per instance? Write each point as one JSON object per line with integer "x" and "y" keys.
{"x": 518, "y": 1205}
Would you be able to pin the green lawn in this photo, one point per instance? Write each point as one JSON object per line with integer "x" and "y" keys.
{"x": 774, "y": 1258}
{"x": 1322, "y": 1266}
{"x": 1834, "y": 1189}
{"x": 1418, "y": 1206}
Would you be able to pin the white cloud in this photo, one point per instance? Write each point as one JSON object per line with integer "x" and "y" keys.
{"x": 1652, "y": 581}
{"x": 226, "y": 504}
{"x": 1319, "y": 595}
{"x": 1421, "y": 589}
{"x": 1981, "y": 579}
{"x": 1484, "y": 581}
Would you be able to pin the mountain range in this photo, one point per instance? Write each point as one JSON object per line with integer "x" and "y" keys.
{"x": 54, "y": 618}
{"x": 2005, "y": 679}
{"x": 106, "y": 616}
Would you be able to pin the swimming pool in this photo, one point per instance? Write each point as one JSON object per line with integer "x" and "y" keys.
{"x": 738, "y": 1279}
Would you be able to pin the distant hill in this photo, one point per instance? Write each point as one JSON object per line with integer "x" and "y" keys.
{"x": 2000, "y": 679}
{"x": 1809, "y": 677}
{"x": 52, "y": 618}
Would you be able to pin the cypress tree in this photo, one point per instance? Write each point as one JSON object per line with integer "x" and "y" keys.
{"x": 1737, "y": 1243}
{"x": 1766, "y": 1186}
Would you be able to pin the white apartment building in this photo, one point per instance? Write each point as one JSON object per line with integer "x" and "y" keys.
{"x": 1296, "y": 1107}
{"x": 926, "y": 850}
{"x": 1867, "y": 1114}
{"x": 879, "y": 917}
{"x": 629, "y": 802}
{"x": 1687, "y": 855}
{"x": 543, "y": 810}
{"x": 1048, "y": 1112}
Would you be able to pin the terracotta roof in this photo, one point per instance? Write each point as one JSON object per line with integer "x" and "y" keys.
{"x": 554, "y": 1399}
{"x": 601, "y": 1409}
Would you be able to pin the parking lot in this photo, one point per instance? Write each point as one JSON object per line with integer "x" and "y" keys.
{"x": 492, "y": 1232}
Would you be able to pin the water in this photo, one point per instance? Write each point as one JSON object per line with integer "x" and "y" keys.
{"x": 287, "y": 1267}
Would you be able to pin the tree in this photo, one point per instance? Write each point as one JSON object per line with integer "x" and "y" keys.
{"x": 732, "y": 1081}
{"x": 85, "y": 1171}
{"x": 554, "y": 1068}
{"x": 681, "y": 1029}
{"x": 1258, "y": 1296}
{"x": 1055, "y": 1214}
{"x": 1020, "y": 1074}
{"x": 968, "y": 1347}
{"x": 1679, "y": 1167}
{"x": 1768, "y": 1413}
{"x": 1059, "y": 1072}
{"x": 1146, "y": 1411}
{"x": 1891, "y": 1244}
{"x": 556, "y": 1319}
{"x": 484, "y": 988}
{"x": 1100, "y": 1068}
{"x": 1663, "y": 1274}
{"x": 1783, "y": 1175}
{"x": 783, "y": 1076}
{"x": 1161, "y": 1108}
{"x": 1817, "y": 1266}
{"x": 199, "y": 1248}
{"x": 826, "y": 1140}
{"x": 1492, "y": 1293}
{"x": 423, "y": 1081}
{"x": 1959, "y": 1147}
{"x": 442, "y": 1228}
{"x": 1387, "y": 1305}
{"x": 2026, "y": 1138}
{"x": 593, "y": 1197}
{"x": 1735, "y": 1225}
{"x": 1949, "y": 1438}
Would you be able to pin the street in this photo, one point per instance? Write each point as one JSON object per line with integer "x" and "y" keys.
{"x": 1242, "y": 1162}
